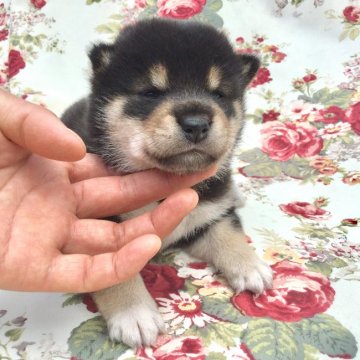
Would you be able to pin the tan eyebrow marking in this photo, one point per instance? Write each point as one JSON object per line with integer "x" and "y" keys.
{"x": 159, "y": 77}
{"x": 214, "y": 78}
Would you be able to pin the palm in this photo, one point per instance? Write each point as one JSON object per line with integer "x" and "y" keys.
{"x": 39, "y": 206}
{"x": 50, "y": 238}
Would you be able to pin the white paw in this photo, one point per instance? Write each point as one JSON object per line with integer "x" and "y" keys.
{"x": 253, "y": 274}
{"x": 139, "y": 325}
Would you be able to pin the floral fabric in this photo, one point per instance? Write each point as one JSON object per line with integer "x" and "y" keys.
{"x": 297, "y": 166}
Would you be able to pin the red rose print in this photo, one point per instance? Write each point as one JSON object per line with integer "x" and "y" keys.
{"x": 89, "y": 302}
{"x": 38, "y": 3}
{"x": 262, "y": 77}
{"x": 179, "y": 9}
{"x": 4, "y": 34}
{"x": 270, "y": 115}
{"x": 309, "y": 78}
{"x": 281, "y": 141}
{"x": 296, "y": 294}
{"x": 167, "y": 348}
{"x": 305, "y": 210}
{"x": 161, "y": 280}
{"x": 352, "y": 13}
{"x": 15, "y": 63}
{"x": 198, "y": 265}
{"x": 330, "y": 115}
{"x": 350, "y": 222}
{"x": 353, "y": 117}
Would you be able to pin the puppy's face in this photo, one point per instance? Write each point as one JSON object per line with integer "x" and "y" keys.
{"x": 168, "y": 95}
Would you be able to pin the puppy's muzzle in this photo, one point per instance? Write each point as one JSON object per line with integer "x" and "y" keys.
{"x": 195, "y": 127}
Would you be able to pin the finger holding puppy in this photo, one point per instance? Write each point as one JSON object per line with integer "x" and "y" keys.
{"x": 99, "y": 236}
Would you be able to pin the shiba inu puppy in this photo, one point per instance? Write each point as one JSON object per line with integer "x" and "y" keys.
{"x": 169, "y": 95}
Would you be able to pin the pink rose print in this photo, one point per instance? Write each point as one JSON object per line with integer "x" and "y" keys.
{"x": 167, "y": 348}
{"x": 179, "y": 9}
{"x": 296, "y": 294}
{"x": 262, "y": 76}
{"x": 352, "y": 13}
{"x": 15, "y": 63}
{"x": 240, "y": 40}
{"x": 38, "y": 3}
{"x": 304, "y": 209}
{"x": 281, "y": 141}
{"x": 352, "y": 179}
{"x": 353, "y": 117}
{"x": 330, "y": 115}
{"x": 161, "y": 280}
{"x": 140, "y": 4}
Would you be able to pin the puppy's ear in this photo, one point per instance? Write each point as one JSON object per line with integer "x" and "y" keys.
{"x": 249, "y": 65}
{"x": 100, "y": 56}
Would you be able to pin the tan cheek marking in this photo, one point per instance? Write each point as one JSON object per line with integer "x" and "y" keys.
{"x": 214, "y": 78}
{"x": 161, "y": 118}
{"x": 159, "y": 77}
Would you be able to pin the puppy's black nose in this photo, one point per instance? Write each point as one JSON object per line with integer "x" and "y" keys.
{"x": 195, "y": 128}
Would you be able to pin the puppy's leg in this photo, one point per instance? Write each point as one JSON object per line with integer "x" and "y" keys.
{"x": 131, "y": 313}
{"x": 224, "y": 246}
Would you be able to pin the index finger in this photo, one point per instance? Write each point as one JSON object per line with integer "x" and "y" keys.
{"x": 101, "y": 197}
{"x": 38, "y": 130}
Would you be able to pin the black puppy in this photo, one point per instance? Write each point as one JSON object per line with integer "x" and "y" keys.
{"x": 169, "y": 95}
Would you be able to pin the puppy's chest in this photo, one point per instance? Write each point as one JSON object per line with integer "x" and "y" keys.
{"x": 202, "y": 216}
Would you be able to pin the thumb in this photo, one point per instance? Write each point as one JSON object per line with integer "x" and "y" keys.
{"x": 38, "y": 130}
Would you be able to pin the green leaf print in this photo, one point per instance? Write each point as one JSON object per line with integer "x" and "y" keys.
{"x": 253, "y": 155}
{"x": 223, "y": 309}
{"x": 222, "y": 333}
{"x": 319, "y": 267}
{"x": 14, "y": 334}
{"x": 266, "y": 169}
{"x": 214, "y": 5}
{"x": 326, "y": 334}
{"x": 73, "y": 299}
{"x": 90, "y": 340}
{"x": 268, "y": 340}
{"x": 298, "y": 169}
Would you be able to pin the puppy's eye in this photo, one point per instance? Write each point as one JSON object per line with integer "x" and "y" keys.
{"x": 152, "y": 93}
{"x": 217, "y": 94}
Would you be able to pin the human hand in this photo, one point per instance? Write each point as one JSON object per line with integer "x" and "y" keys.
{"x": 51, "y": 194}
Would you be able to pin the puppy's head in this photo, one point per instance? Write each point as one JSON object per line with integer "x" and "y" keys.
{"x": 167, "y": 95}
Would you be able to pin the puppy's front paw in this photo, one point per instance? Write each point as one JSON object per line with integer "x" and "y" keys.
{"x": 136, "y": 326}
{"x": 252, "y": 274}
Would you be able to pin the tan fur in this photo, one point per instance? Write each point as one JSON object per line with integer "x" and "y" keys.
{"x": 159, "y": 77}
{"x": 226, "y": 248}
{"x": 214, "y": 78}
